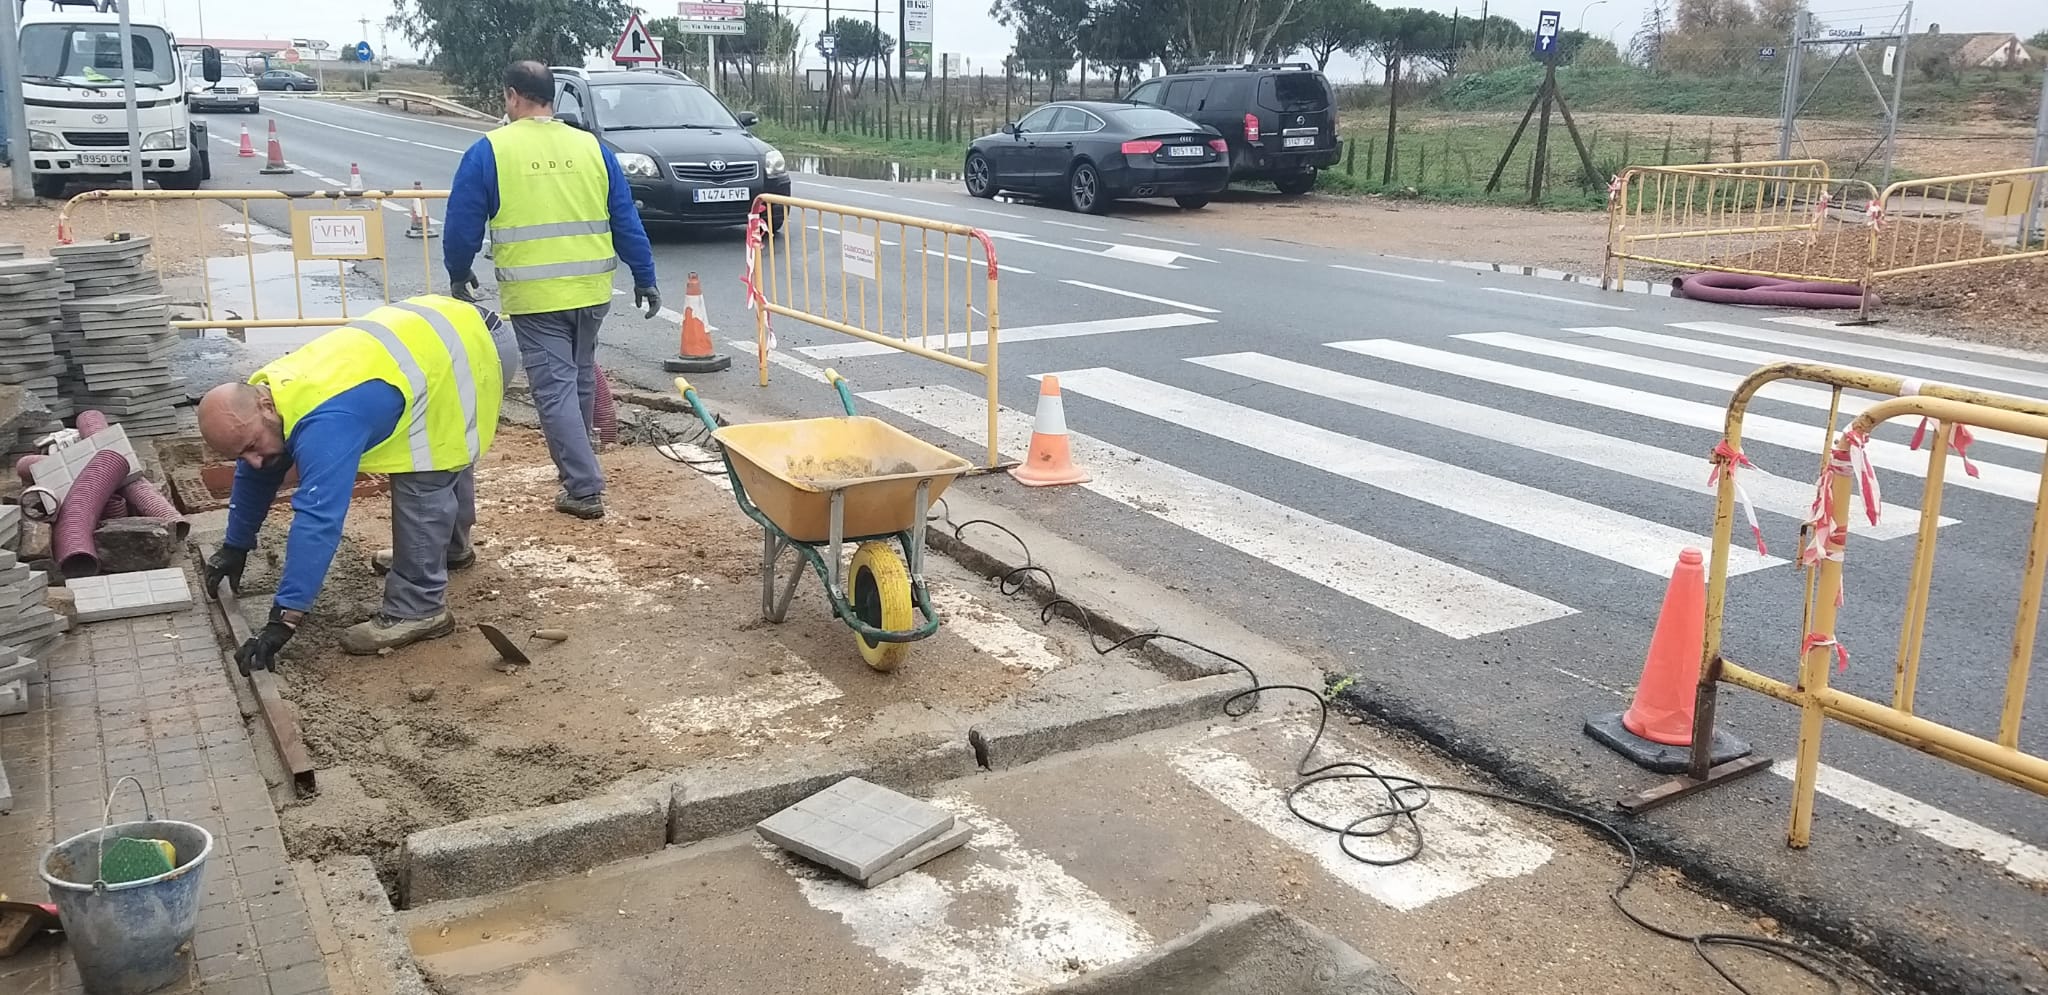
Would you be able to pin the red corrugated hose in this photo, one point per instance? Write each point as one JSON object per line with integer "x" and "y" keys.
{"x": 141, "y": 498}
{"x": 71, "y": 539}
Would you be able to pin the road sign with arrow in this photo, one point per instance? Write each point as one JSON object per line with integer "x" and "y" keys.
{"x": 635, "y": 45}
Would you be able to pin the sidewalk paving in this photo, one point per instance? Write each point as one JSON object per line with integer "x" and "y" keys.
{"x": 150, "y": 697}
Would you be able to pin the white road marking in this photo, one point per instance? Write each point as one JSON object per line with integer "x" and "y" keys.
{"x": 1005, "y": 267}
{"x": 1898, "y": 358}
{"x": 829, "y": 230}
{"x": 866, "y": 193}
{"x": 999, "y": 214}
{"x": 1446, "y": 598}
{"x": 1168, "y": 241}
{"x": 997, "y": 635}
{"x": 2000, "y": 480}
{"x": 371, "y": 134}
{"x": 1262, "y": 255}
{"x": 1687, "y": 471}
{"x": 1560, "y": 300}
{"x": 1162, "y": 258}
{"x": 744, "y": 349}
{"x": 1912, "y": 338}
{"x": 1023, "y": 333}
{"x": 2022, "y": 860}
{"x": 1070, "y": 224}
{"x": 1791, "y": 392}
{"x": 821, "y": 186}
{"x": 1592, "y": 529}
{"x": 1134, "y": 295}
{"x": 1382, "y": 272}
{"x": 1468, "y": 845}
{"x": 1042, "y": 925}
{"x": 927, "y": 203}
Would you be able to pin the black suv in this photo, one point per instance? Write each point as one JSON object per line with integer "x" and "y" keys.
{"x": 1280, "y": 119}
{"x": 690, "y": 159}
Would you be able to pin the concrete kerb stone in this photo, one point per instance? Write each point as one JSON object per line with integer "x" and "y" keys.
{"x": 1039, "y": 731}
{"x": 374, "y": 945}
{"x": 479, "y": 856}
{"x": 711, "y": 803}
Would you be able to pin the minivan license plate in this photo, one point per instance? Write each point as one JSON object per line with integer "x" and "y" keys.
{"x": 721, "y": 195}
{"x": 103, "y": 158}
{"x": 1300, "y": 142}
{"x": 1185, "y": 151}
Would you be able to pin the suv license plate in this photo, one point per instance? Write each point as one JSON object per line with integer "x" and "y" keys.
{"x": 1302, "y": 142}
{"x": 1184, "y": 151}
{"x": 722, "y": 195}
{"x": 103, "y": 158}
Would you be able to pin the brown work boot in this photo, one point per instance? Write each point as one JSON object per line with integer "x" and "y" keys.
{"x": 382, "y": 632}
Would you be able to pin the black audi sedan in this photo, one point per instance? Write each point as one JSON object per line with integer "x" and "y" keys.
{"x": 1089, "y": 154}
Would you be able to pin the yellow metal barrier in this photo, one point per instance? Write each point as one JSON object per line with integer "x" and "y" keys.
{"x": 1824, "y": 542}
{"x": 793, "y": 270}
{"x": 1787, "y": 219}
{"x": 1951, "y": 221}
{"x": 341, "y": 226}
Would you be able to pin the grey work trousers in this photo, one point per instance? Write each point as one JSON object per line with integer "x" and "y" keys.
{"x": 431, "y": 515}
{"x": 560, "y": 348}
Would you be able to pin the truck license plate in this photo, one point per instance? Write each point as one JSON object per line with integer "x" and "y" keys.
{"x": 722, "y": 195}
{"x": 1301, "y": 142}
{"x": 103, "y": 158}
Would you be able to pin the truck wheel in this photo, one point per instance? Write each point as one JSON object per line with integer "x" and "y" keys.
{"x": 190, "y": 179}
{"x": 1298, "y": 184}
{"x": 49, "y": 187}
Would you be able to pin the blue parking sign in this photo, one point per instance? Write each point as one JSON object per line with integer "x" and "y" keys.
{"x": 1545, "y": 44}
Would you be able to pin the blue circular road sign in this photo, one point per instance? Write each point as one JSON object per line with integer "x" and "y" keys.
{"x": 363, "y": 52}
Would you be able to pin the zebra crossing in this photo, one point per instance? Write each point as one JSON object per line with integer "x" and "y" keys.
{"x": 1485, "y": 388}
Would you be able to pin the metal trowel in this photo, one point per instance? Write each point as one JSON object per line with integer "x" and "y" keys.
{"x": 507, "y": 649}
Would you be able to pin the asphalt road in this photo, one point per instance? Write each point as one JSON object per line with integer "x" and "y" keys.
{"x": 1466, "y": 487}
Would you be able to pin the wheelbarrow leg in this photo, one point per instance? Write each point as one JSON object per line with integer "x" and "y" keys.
{"x": 838, "y": 537}
{"x": 915, "y": 553}
{"x": 773, "y": 608}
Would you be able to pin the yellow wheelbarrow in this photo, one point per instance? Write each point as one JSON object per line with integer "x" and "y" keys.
{"x": 817, "y": 484}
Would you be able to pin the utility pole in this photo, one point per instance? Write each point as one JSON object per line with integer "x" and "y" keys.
{"x": 2032, "y": 229}
{"x": 365, "y": 22}
{"x": 128, "y": 98}
{"x": 1891, "y": 123}
{"x": 17, "y": 111}
{"x": 1788, "y": 111}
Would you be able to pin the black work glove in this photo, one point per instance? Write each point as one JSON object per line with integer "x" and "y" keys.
{"x": 463, "y": 286}
{"x": 226, "y": 563}
{"x": 260, "y": 652}
{"x": 649, "y": 298}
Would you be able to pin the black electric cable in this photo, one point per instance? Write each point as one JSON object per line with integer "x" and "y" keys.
{"x": 1406, "y": 796}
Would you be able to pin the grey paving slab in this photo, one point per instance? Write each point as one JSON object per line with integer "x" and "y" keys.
{"x": 940, "y": 845}
{"x": 149, "y": 592}
{"x": 63, "y": 466}
{"x": 855, "y": 827}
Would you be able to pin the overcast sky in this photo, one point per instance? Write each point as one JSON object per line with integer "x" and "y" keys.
{"x": 963, "y": 26}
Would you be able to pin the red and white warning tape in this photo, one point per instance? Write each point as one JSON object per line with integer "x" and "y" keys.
{"x": 1728, "y": 458}
{"x": 757, "y": 223}
{"x": 1815, "y": 640}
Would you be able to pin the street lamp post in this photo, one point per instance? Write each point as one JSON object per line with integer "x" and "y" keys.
{"x": 1582, "y": 14}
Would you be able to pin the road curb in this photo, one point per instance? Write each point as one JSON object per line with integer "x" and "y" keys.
{"x": 711, "y": 803}
{"x": 1040, "y": 731}
{"x": 480, "y": 856}
{"x": 373, "y": 943}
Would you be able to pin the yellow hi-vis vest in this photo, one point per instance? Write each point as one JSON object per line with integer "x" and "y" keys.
{"x": 436, "y": 350}
{"x": 552, "y": 235}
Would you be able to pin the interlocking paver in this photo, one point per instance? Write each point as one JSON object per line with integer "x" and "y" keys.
{"x": 855, "y": 827}
{"x": 145, "y": 592}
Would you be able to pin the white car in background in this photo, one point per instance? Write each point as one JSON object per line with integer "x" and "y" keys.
{"x": 236, "y": 91}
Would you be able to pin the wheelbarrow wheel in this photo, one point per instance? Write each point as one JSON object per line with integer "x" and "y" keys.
{"x": 881, "y": 598}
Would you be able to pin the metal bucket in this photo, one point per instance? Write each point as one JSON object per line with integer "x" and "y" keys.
{"x": 133, "y": 937}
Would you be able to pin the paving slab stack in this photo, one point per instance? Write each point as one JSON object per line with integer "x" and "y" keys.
{"x": 117, "y": 337}
{"x": 31, "y": 294}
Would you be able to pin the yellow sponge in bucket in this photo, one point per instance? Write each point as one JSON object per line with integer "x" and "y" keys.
{"x": 133, "y": 860}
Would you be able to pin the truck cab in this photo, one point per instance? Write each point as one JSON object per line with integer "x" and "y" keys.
{"x": 77, "y": 114}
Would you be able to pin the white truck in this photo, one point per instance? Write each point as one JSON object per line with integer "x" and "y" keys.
{"x": 73, "y": 87}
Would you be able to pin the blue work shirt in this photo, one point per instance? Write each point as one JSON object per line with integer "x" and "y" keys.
{"x": 473, "y": 201}
{"x": 326, "y": 445}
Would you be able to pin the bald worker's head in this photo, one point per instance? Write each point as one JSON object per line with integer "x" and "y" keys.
{"x": 240, "y": 420}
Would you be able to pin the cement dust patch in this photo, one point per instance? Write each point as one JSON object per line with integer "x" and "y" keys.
{"x": 582, "y": 571}
{"x": 994, "y": 633}
{"x": 749, "y": 716}
{"x": 937, "y": 923}
{"x": 1466, "y": 842}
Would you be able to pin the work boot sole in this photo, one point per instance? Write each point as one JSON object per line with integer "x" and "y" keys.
{"x": 587, "y": 512}
{"x": 365, "y": 639}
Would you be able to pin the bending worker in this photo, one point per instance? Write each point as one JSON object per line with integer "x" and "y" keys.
{"x": 561, "y": 215}
{"x": 411, "y": 389}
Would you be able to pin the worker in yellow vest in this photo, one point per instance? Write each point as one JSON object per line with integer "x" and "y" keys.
{"x": 411, "y": 389}
{"x": 561, "y": 216}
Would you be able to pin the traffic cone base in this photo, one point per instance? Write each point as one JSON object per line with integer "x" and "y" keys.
{"x": 275, "y": 164}
{"x": 696, "y": 354}
{"x": 1656, "y": 730}
{"x": 1050, "y": 462}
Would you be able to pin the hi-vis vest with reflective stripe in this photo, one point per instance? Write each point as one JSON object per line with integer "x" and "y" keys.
{"x": 436, "y": 350}
{"x": 552, "y": 236}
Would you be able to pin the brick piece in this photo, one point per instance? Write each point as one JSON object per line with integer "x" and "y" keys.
{"x": 478, "y": 856}
{"x": 151, "y": 592}
{"x": 855, "y": 827}
{"x": 127, "y": 545}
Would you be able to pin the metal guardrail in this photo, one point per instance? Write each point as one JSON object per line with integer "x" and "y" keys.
{"x": 1845, "y": 468}
{"x": 791, "y": 269}
{"x": 341, "y": 226}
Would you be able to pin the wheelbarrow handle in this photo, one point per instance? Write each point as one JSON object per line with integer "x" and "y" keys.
{"x": 696, "y": 403}
{"x": 845, "y": 392}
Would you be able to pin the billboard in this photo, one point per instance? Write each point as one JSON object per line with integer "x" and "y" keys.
{"x": 917, "y": 37}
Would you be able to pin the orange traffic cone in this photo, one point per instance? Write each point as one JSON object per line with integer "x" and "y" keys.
{"x": 1049, "y": 463}
{"x": 696, "y": 354}
{"x": 422, "y": 222}
{"x": 355, "y": 179}
{"x": 247, "y": 151}
{"x": 276, "y": 164}
{"x": 1656, "y": 730}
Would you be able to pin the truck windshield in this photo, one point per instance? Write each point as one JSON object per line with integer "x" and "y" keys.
{"x": 90, "y": 54}
{"x": 652, "y": 106}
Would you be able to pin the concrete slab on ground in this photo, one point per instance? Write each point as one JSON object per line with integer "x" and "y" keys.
{"x": 1095, "y": 857}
